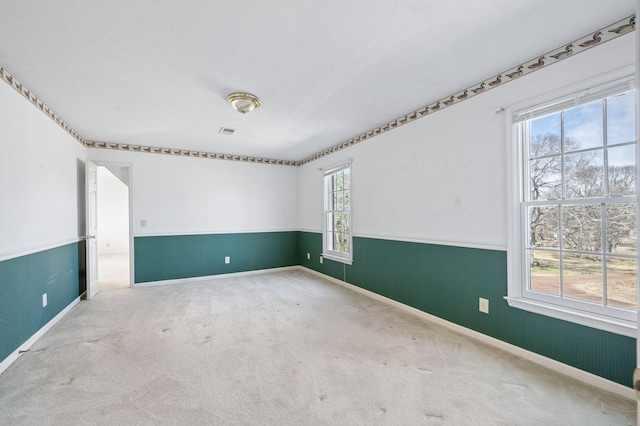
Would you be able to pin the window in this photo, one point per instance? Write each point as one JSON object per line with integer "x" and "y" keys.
{"x": 337, "y": 241}
{"x": 573, "y": 248}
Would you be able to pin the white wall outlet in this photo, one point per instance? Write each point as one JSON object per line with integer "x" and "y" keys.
{"x": 321, "y": 259}
{"x": 227, "y": 259}
{"x": 44, "y": 300}
{"x": 308, "y": 256}
{"x": 143, "y": 223}
{"x": 483, "y": 305}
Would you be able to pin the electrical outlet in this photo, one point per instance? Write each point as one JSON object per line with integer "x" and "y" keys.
{"x": 44, "y": 300}
{"x": 483, "y": 305}
{"x": 308, "y": 256}
{"x": 227, "y": 259}
{"x": 321, "y": 259}
{"x": 143, "y": 223}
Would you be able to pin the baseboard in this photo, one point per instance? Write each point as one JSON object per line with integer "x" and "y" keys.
{"x": 34, "y": 338}
{"x": 214, "y": 277}
{"x": 567, "y": 370}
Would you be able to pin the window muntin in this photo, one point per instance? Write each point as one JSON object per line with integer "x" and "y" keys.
{"x": 337, "y": 241}
{"x": 578, "y": 205}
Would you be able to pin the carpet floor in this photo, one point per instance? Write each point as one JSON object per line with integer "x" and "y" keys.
{"x": 113, "y": 271}
{"x": 280, "y": 348}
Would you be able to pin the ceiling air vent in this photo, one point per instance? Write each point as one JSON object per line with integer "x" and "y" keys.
{"x": 226, "y": 131}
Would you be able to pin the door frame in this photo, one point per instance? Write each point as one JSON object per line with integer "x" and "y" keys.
{"x": 91, "y": 226}
{"x": 129, "y": 168}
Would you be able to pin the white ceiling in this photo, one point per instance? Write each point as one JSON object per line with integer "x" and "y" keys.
{"x": 157, "y": 72}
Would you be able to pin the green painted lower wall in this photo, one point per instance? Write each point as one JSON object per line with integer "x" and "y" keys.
{"x": 23, "y": 281}
{"x": 447, "y": 281}
{"x": 186, "y": 256}
{"x": 440, "y": 280}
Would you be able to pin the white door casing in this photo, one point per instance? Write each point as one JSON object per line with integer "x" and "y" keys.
{"x": 91, "y": 177}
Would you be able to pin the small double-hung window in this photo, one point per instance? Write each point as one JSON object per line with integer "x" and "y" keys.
{"x": 573, "y": 244}
{"x": 337, "y": 240}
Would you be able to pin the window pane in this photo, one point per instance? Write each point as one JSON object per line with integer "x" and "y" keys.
{"x": 346, "y": 179}
{"x": 621, "y": 118}
{"x": 621, "y": 282}
{"x": 342, "y": 243}
{"x": 345, "y": 243}
{"x": 345, "y": 222}
{"x": 337, "y": 199}
{"x": 544, "y": 136}
{"x": 582, "y": 277}
{"x": 584, "y": 174}
{"x": 544, "y": 270}
{"x": 340, "y": 222}
{"x": 622, "y": 170}
{"x": 583, "y": 127}
{"x": 347, "y": 200}
{"x": 546, "y": 180}
{"x": 582, "y": 227}
{"x": 339, "y": 184}
{"x": 621, "y": 229}
{"x": 543, "y": 226}
{"x": 336, "y": 222}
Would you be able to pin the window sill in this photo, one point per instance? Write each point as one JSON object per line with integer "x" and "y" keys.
{"x": 337, "y": 258}
{"x": 600, "y": 322}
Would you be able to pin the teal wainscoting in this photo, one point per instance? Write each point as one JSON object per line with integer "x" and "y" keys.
{"x": 447, "y": 281}
{"x": 23, "y": 281}
{"x": 186, "y": 256}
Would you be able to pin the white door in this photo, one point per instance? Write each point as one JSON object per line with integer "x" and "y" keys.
{"x": 91, "y": 179}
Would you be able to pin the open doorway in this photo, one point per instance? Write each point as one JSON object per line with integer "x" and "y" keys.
{"x": 113, "y": 227}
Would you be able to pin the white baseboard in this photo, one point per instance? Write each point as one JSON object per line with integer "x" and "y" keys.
{"x": 214, "y": 277}
{"x": 549, "y": 363}
{"x": 34, "y": 338}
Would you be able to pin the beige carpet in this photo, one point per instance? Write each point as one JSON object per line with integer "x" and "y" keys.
{"x": 113, "y": 271}
{"x": 284, "y": 348}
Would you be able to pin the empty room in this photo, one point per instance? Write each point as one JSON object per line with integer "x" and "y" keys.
{"x": 322, "y": 213}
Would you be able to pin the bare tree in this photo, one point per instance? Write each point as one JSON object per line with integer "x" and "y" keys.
{"x": 584, "y": 177}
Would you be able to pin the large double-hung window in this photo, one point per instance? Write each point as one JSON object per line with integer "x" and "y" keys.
{"x": 337, "y": 240}
{"x": 573, "y": 248}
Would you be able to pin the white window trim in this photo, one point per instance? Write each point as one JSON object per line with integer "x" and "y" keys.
{"x": 330, "y": 254}
{"x": 516, "y": 275}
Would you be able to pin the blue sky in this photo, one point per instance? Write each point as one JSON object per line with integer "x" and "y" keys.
{"x": 584, "y": 124}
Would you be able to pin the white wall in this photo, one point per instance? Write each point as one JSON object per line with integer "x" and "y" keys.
{"x": 186, "y": 195}
{"x": 113, "y": 214}
{"x": 442, "y": 178}
{"x": 40, "y": 168}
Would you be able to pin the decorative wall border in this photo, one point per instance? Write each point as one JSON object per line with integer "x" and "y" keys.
{"x": 22, "y": 89}
{"x": 188, "y": 153}
{"x": 608, "y": 33}
{"x": 38, "y": 103}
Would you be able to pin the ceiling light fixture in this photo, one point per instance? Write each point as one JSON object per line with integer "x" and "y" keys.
{"x": 243, "y": 102}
